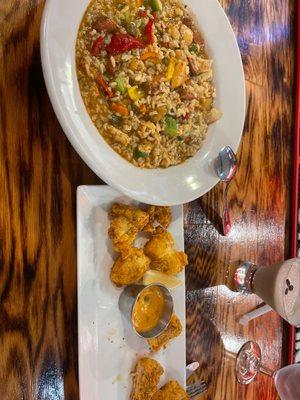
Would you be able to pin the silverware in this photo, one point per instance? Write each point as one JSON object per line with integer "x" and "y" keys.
{"x": 191, "y": 368}
{"x": 196, "y": 388}
{"x": 225, "y": 167}
{"x": 127, "y": 301}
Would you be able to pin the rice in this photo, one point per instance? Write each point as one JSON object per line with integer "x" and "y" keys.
{"x": 157, "y": 118}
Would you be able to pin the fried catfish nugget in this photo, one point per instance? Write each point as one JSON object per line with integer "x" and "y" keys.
{"x": 129, "y": 267}
{"x": 145, "y": 378}
{"x": 139, "y": 218}
{"x": 161, "y": 216}
{"x": 126, "y": 224}
{"x": 171, "y": 391}
{"x": 164, "y": 258}
{"x": 122, "y": 233}
{"x": 173, "y": 330}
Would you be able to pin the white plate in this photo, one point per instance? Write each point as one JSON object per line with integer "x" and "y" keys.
{"x": 175, "y": 185}
{"x": 105, "y": 358}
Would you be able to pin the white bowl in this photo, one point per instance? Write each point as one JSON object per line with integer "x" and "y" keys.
{"x": 174, "y": 185}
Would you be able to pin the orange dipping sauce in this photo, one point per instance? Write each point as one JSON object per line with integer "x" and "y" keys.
{"x": 148, "y": 309}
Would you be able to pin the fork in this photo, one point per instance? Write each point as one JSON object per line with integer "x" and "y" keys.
{"x": 196, "y": 388}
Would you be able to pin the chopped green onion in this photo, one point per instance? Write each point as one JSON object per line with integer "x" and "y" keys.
{"x": 139, "y": 154}
{"x": 127, "y": 17}
{"x": 142, "y": 24}
{"x": 193, "y": 48}
{"x": 132, "y": 29}
{"x": 121, "y": 87}
{"x": 155, "y": 5}
{"x": 171, "y": 127}
{"x": 115, "y": 119}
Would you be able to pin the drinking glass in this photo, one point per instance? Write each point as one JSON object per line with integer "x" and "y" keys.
{"x": 248, "y": 364}
{"x": 278, "y": 285}
{"x": 287, "y": 382}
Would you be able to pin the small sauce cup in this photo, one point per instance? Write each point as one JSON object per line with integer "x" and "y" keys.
{"x": 129, "y": 299}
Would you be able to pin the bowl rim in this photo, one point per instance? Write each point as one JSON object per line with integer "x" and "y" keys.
{"x": 146, "y": 197}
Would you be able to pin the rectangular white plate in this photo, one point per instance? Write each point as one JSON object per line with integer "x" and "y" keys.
{"x": 106, "y": 353}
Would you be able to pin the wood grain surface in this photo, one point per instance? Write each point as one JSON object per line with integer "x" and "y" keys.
{"x": 39, "y": 173}
{"x": 260, "y": 201}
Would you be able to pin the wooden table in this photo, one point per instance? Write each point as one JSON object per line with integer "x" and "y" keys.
{"x": 38, "y": 178}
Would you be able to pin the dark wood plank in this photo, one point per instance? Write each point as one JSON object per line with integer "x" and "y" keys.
{"x": 260, "y": 202}
{"x": 38, "y": 176}
{"x": 40, "y": 172}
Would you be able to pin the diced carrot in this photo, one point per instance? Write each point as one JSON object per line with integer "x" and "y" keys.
{"x": 143, "y": 109}
{"x": 139, "y": 3}
{"x": 133, "y": 65}
{"x": 120, "y": 109}
{"x": 157, "y": 79}
{"x": 148, "y": 54}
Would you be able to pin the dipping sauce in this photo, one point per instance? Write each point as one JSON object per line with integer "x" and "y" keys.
{"x": 148, "y": 309}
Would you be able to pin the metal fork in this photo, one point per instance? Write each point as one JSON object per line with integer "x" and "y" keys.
{"x": 196, "y": 388}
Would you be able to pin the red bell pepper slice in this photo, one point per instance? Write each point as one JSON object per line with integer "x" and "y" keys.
{"x": 149, "y": 31}
{"x": 97, "y": 45}
{"x": 121, "y": 42}
{"x": 149, "y": 28}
